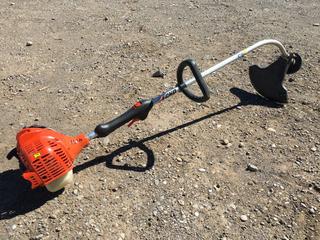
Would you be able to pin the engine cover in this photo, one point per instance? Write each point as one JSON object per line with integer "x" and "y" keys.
{"x": 46, "y": 154}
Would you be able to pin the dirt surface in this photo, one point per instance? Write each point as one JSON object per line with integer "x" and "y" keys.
{"x": 182, "y": 173}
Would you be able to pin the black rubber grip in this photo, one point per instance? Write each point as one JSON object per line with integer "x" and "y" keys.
{"x": 139, "y": 111}
{"x": 197, "y": 75}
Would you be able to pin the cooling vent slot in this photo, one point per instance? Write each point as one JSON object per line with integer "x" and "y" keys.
{"x": 38, "y": 146}
{"x": 29, "y": 148}
{"x": 63, "y": 157}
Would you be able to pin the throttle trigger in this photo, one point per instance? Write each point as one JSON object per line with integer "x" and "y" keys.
{"x": 133, "y": 121}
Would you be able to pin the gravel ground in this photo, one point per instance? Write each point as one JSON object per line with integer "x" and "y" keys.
{"x": 236, "y": 167}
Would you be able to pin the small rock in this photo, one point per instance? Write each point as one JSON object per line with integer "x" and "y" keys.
{"x": 241, "y": 145}
{"x": 181, "y": 202}
{"x": 158, "y": 74}
{"x": 13, "y": 227}
{"x": 252, "y": 168}
{"x": 225, "y": 142}
{"x": 29, "y": 43}
{"x": 313, "y": 149}
{"x": 38, "y": 237}
{"x": 244, "y": 218}
{"x": 156, "y": 182}
{"x": 312, "y": 210}
{"x": 53, "y": 216}
{"x": 250, "y": 9}
{"x": 12, "y": 3}
{"x": 316, "y": 24}
{"x": 197, "y": 214}
{"x": 317, "y": 187}
{"x": 271, "y": 129}
{"x": 201, "y": 170}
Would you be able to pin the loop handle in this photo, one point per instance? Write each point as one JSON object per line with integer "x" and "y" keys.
{"x": 197, "y": 75}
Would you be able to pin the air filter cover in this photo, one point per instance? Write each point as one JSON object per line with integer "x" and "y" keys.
{"x": 46, "y": 154}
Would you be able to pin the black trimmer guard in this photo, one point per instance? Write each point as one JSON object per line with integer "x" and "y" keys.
{"x": 269, "y": 81}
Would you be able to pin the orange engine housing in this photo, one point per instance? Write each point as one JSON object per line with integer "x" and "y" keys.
{"x": 47, "y": 154}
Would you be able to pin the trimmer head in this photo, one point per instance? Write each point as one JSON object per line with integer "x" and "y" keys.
{"x": 269, "y": 81}
{"x": 48, "y": 156}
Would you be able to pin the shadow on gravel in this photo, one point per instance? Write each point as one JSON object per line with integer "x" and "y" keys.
{"x": 108, "y": 159}
{"x": 17, "y": 198}
{"x": 245, "y": 97}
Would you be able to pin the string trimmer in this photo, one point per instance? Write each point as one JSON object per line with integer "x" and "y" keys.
{"x": 48, "y": 156}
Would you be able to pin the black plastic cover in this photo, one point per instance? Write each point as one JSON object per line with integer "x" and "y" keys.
{"x": 269, "y": 81}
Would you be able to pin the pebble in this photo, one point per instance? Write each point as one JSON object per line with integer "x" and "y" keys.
{"x": 29, "y": 43}
{"x": 316, "y": 24}
{"x": 14, "y": 226}
{"x": 252, "y": 168}
{"x": 38, "y": 237}
{"x": 156, "y": 182}
{"x": 106, "y": 141}
{"x": 158, "y": 74}
{"x": 179, "y": 159}
{"x": 313, "y": 149}
{"x": 202, "y": 170}
{"x": 271, "y": 129}
{"x": 53, "y": 216}
{"x": 241, "y": 145}
{"x": 317, "y": 187}
{"x": 181, "y": 202}
{"x": 197, "y": 214}
{"x": 225, "y": 142}
{"x": 244, "y": 218}
{"x": 312, "y": 210}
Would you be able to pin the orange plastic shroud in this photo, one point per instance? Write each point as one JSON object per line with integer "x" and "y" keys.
{"x": 47, "y": 154}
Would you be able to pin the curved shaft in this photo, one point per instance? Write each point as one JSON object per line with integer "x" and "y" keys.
{"x": 240, "y": 55}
